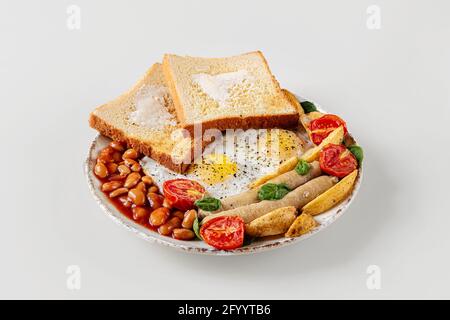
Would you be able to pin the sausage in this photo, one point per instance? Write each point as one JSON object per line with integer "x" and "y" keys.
{"x": 296, "y": 198}
{"x": 291, "y": 178}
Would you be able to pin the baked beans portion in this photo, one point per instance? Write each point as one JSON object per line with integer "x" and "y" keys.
{"x": 135, "y": 194}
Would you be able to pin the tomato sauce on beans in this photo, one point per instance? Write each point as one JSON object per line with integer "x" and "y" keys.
{"x": 128, "y": 212}
{"x": 133, "y": 193}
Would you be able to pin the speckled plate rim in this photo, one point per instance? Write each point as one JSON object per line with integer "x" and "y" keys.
{"x": 200, "y": 247}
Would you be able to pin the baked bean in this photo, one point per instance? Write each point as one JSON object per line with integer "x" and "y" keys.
{"x": 140, "y": 213}
{"x": 111, "y": 186}
{"x": 183, "y": 234}
{"x": 104, "y": 159}
{"x": 107, "y": 151}
{"x": 147, "y": 180}
{"x": 132, "y": 180}
{"x": 112, "y": 167}
{"x": 155, "y": 200}
{"x": 153, "y": 189}
{"x": 159, "y": 216}
{"x": 118, "y": 146}
{"x": 130, "y": 154}
{"x": 100, "y": 170}
{"x": 141, "y": 186}
{"x": 118, "y": 192}
{"x": 129, "y": 162}
{"x": 137, "y": 196}
{"x": 167, "y": 228}
{"x": 136, "y": 167}
{"x": 117, "y": 177}
{"x": 175, "y": 222}
{"x": 166, "y": 204}
{"x": 189, "y": 218}
{"x": 105, "y": 155}
{"x": 123, "y": 169}
{"x": 126, "y": 202}
{"x": 178, "y": 214}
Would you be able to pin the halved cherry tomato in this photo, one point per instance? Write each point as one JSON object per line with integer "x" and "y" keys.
{"x": 224, "y": 233}
{"x": 337, "y": 160}
{"x": 321, "y": 127}
{"x": 182, "y": 193}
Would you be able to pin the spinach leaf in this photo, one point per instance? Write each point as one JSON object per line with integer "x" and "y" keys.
{"x": 196, "y": 228}
{"x": 308, "y": 106}
{"x": 357, "y": 152}
{"x": 302, "y": 167}
{"x": 208, "y": 204}
{"x": 272, "y": 191}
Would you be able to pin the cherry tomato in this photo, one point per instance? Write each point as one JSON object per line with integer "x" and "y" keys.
{"x": 224, "y": 233}
{"x": 321, "y": 127}
{"x": 337, "y": 160}
{"x": 182, "y": 193}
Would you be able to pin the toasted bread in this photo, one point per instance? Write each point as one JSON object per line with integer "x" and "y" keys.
{"x": 151, "y": 132}
{"x": 227, "y": 93}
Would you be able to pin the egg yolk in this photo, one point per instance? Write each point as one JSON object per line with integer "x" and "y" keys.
{"x": 282, "y": 144}
{"x": 214, "y": 168}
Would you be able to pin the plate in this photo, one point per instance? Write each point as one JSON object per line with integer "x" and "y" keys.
{"x": 200, "y": 247}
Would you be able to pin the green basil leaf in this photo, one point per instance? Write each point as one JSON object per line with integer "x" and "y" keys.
{"x": 196, "y": 228}
{"x": 357, "y": 152}
{"x": 208, "y": 204}
{"x": 272, "y": 191}
{"x": 302, "y": 167}
{"x": 308, "y": 106}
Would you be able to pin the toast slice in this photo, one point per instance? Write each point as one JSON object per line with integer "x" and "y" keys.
{"x": 144, "y": 118}
{"x": 227, "y": 93}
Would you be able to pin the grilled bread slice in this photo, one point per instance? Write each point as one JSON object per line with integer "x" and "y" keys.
{"x": 144, "y": 118}
{"x": 227, "y": 93}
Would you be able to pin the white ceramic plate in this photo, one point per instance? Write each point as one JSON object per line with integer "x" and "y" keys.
{"x": 325, "y": 219}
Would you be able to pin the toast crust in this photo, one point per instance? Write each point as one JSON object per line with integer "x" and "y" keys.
{"x": 285, "y": 121}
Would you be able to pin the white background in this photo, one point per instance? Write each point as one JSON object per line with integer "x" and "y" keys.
{"x": 391, "y": 85}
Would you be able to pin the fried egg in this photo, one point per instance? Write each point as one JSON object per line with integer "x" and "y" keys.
{"x": 234, "y": 159}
